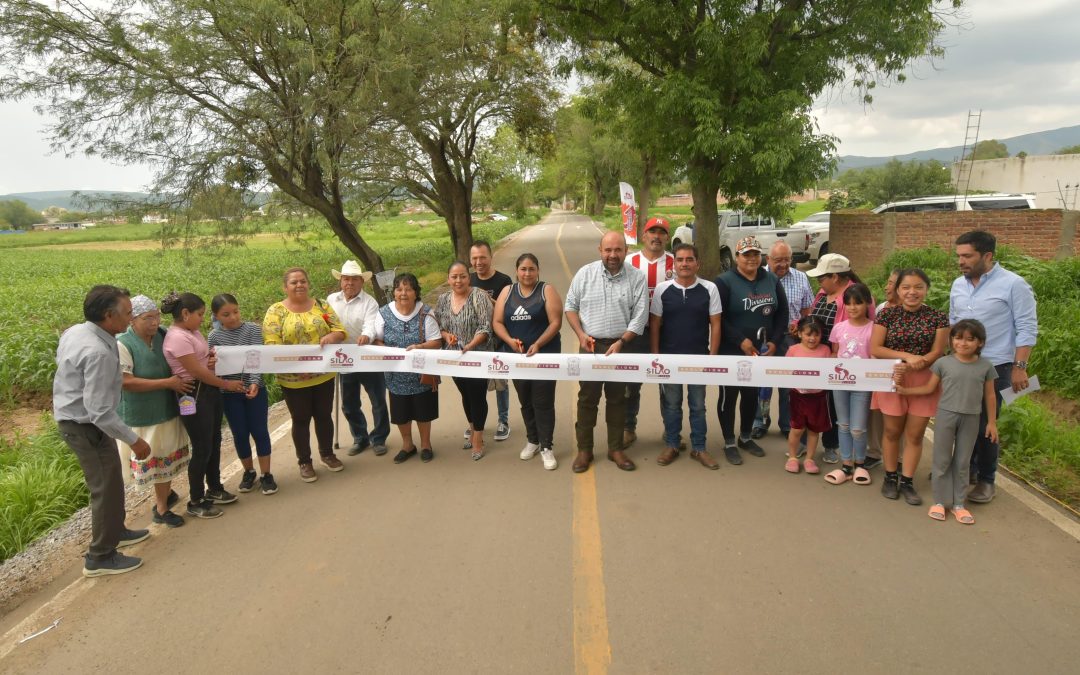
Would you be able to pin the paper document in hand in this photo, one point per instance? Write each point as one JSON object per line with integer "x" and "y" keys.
{"x": 1008, "y": 395}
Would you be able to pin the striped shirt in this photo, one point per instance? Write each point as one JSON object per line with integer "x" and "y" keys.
{"x": 609, "y": 304}
{"x": 471, "y": 320}
{"x": 653, "y": 274}
{"x": 247, "y": 334}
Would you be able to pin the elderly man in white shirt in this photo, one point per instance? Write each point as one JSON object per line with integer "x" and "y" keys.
{"x": 357, "y": 311}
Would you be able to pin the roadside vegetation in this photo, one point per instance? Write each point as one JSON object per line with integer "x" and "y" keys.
{"x": 1040, "y": 433}
{"x": 41, "y": 483}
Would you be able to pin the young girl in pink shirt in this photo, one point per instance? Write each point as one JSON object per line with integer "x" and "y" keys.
{"x": 809, "y": 407}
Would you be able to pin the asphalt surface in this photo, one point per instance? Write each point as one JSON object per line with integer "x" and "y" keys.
{"x": 499, "y": 566}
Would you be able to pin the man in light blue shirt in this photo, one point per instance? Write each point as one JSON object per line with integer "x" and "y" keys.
{"x": 86, "y": 395}
{"x": 1004, "y": 303}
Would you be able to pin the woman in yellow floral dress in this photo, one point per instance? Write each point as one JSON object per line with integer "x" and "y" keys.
{"x": 300, "y": 319}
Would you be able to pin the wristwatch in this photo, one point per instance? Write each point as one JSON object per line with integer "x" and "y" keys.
{"x": 1022, "y": 365}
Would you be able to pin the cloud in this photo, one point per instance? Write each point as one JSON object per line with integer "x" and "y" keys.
{"x": 1017, "y": 63}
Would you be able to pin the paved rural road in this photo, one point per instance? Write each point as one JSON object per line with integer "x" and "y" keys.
{"x": 498, "y": 566}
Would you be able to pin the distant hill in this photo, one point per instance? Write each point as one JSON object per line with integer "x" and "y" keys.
{"x": 65, "y": 199}
{"x": 1038, "y": 143}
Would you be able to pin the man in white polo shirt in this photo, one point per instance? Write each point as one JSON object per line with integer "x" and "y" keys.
{"x": 357, "y": 311}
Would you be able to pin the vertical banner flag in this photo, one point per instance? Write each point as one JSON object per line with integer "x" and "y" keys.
{"x": 629, "y": 213}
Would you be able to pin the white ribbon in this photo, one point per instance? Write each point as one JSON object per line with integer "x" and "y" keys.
{"x": 743, "y": 371}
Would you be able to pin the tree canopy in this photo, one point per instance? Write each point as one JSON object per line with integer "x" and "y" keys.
{"x": 15, "y": 213}
{"x": 989, "y": 149}
{"x": 333, "y": 102}
{"x": 894, "y": 181}
{"x": 729, "y": 84}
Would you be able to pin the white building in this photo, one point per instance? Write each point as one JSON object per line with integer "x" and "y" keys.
{"x": 1055, "y": 179}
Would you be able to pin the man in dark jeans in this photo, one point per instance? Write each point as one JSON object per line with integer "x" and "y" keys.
{"x": 1004, "y": 303}
{"x": 86, "y": 395}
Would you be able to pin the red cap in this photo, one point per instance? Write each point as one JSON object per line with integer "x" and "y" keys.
{"x": 662, "y": 223}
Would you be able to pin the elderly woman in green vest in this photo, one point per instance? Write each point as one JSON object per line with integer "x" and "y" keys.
{"x": 149, "y": 406}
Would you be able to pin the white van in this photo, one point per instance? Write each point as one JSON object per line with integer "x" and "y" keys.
{"x": 998, "y": 200}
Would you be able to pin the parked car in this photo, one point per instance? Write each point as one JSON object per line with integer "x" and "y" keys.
{"x": 734, "y": 225}
{"x": 817, "y": 226}
{"x": 998, "y": 200}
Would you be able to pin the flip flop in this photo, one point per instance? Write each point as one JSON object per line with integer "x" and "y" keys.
{"x": 962, "y": 516}
{"x": 810, "y": 466}
{"x": 937, "y": 512}
{"x": 862, "y": 476}
{"x": 837, "y": 477}
{"x": 792, "y": 465}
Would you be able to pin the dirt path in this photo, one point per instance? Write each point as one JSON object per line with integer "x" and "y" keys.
{"x": 499, "y": 566}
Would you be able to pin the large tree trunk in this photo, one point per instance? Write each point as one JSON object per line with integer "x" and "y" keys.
{"x": 648, "y": 174}
{"x": 596, "y": 207}
{"x": 704, "y": 187}
{"x": 454, "y": 196}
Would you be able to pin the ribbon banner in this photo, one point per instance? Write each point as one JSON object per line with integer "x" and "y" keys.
{"x": 741, "y": 371}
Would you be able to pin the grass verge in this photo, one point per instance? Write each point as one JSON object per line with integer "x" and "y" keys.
{"x": 1042, "y": 449}
{"x": 41, "y": 484}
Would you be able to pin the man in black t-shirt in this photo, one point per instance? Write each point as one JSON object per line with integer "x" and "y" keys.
{"x": 486, "y": 278}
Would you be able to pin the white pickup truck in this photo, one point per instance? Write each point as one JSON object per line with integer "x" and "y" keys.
{"x": 734, "y": 225}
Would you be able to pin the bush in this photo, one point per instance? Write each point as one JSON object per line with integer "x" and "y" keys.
{"x": 41, "y": 484}
{"x": 1041, "y": 448}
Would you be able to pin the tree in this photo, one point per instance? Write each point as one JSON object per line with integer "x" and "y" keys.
{"x": 1070, "y": 150}
{"x": 472, "y": 71}
{"x": 18, "y": 215}
{"x": 990, "y": 149}
{"x": 507, "y": 172}
{"x": 894, "y": 181}
{"x": 731, "y": 83}
{"x": 229, "y": 93}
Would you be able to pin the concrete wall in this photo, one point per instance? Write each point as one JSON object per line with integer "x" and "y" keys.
{"x": 867, "y": 238}
{"x": 1040, "y": 174}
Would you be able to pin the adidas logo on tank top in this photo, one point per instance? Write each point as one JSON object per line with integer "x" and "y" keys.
{"x": 520, "y": 314}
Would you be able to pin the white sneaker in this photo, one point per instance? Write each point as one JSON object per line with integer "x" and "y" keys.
{"x": 548, "y": 456}
{"x": 529, "y": 451}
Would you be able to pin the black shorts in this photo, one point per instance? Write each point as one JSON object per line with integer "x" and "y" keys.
{"x": 422, "y": 407}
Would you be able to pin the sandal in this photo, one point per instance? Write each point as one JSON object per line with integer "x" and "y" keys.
{"x": 937, "y": 512}
{"x": 810, "y": 466}
{"x": 478, "y": 454}
{"x": 837, "y": 477}
{"x": 962, "y": 516}
{"x": 792, "y": 465}
{"x": 862, "y": 476}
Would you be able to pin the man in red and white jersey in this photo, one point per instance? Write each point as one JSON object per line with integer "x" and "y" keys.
{"x": 658, "y": 264}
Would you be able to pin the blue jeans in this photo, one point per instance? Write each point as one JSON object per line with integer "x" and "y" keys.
{"x": 671, "y": 398}
{"x": 765, "y": 398}
{"x": 248, "y": 417}
{"x": 502, "y": 403}
{"x": 984, "y": 459}
{"x": 375, "y": 385}
{"x": 852, "y": 421}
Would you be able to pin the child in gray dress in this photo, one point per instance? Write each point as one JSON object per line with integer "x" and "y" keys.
{"x": 967, "y": 382}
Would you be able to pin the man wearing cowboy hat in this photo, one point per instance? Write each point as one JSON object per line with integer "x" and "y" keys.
{"x": 357, "y": 311}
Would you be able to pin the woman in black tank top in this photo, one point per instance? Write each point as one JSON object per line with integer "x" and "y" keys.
{"x": 528, "y": 317}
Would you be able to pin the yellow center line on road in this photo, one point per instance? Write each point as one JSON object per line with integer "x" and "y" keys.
{"x": 592, "y": 649}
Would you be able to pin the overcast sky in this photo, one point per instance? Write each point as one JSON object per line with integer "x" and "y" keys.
{"x": 1017, "y": 61}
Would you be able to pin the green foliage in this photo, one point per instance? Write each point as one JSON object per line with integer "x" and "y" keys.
{"x": 1069, "y": 150}
{"x": 894, "y": 181}
{"x": 41, "y": 484}
{"x": 989, "y": 149}
{"x": 1042, "y": 448}
{"x": 1057, "y": 289}
{"x": 728, "y": 86}
{"x": 18, "y": 215}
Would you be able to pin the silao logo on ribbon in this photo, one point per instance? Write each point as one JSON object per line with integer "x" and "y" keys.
{"x": 842, "y": 375}
{"x": 498, "y": 366}
{"x": 657, "y": 370}
{"x": 340, "y": 360}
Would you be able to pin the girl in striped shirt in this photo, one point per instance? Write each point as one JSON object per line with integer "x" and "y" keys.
{"x": 246, "y": 412}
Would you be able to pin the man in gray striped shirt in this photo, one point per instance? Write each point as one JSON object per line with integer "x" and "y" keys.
{"x": 607, "y": 307}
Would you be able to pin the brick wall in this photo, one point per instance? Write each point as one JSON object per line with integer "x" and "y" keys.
{"x": 867, "y": 238}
